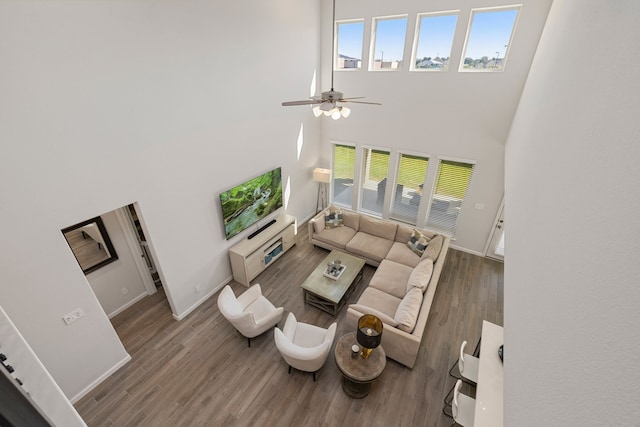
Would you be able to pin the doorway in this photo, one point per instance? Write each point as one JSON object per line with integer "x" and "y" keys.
{"x": 150, "y": 264}
{"x": 114, "y": 253}
{"x": 495, "y": 246}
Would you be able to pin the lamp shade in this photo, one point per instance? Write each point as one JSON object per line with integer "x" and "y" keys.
{"x": 321, "y": 175}
{"x": 369, "y": 333}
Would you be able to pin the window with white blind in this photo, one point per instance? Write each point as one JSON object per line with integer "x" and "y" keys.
{"x": 374, "y": 181}
{"x": 410, "y": 176}
{"x": 450, "y": 188}
{"x": 344, "y": 164}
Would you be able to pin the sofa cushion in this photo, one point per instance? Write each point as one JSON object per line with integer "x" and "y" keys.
{"x": 368, "y": 246}
{"x": 433, "y": 249}
{"x": 403, "y": 233}
{"x": 378, "y": 227}
{"x": 379, "y": 300}
{"x": 420, "y": 276}
{"x": 351, "y": 219}
{"x": 333, "y": 218}
{"x": 380, "y": 315}
{"x": 418, "y": 242}
{"x": 408, "y": 309}
{"x": 391, "y": 278}
{"x": 338, "y": 237}
{"x": 400, "y": 253}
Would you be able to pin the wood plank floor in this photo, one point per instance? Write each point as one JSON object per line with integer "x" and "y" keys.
{"x": 200, "y": 372}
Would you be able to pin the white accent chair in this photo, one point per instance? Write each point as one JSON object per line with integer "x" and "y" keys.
{"x": 463, "y": 407}
{"x": 303, "y": 346}
{"x": 250, "y": 313}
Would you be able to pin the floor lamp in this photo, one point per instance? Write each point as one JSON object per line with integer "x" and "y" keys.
{"x": 322, "y": 177}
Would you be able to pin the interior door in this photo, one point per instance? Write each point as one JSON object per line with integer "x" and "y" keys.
{"x": 144, "y": 246}
{"x": 495, "y": 249}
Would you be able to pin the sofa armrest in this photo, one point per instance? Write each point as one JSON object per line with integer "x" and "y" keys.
{"x": 318, "y": 220}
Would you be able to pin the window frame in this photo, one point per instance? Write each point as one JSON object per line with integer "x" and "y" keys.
{"x": 373, "y": 40}
{"x": 336, "y": 44}
{"x": 432, "y": 193}
{"x": 416, "y": 39}
{"x": 355, "y": 178}
{"x": 363, "y": 171}
{"x": 421, "y": 210}
{"x": 518, "y": 8}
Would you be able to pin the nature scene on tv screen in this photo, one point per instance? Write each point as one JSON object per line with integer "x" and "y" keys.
{"x": 247, "y": 203}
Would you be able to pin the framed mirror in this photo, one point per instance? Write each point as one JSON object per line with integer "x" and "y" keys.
{"x": 90, "y": 244}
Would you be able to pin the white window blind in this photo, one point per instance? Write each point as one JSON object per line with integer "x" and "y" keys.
{"x": 410, "y": 178}
{"x": 344, "y": 164}
{"x": 374, "y": 180}
{"x": 449, "y": 192}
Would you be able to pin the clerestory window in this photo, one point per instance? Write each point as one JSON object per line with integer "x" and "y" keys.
{"x": 489, "y": 39}
{"x": 433, "y": 41}
{"x": 349, "y": 37}
{"x": 387, "y": 43}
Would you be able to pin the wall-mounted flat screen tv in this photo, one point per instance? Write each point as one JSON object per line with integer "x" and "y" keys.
{"x": 251, "y": 201}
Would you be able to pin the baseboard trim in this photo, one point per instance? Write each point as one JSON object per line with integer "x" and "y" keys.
{"x": 101, "y": 378}
{"x": 469, "y": 251}
{"x": 203, "y": 299}
{"x": 127, "y": 305}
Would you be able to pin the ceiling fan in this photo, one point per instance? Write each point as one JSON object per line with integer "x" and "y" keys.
{"x": 327, "y": 103}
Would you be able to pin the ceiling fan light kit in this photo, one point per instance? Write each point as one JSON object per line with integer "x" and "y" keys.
{"x": 328, "y": 101}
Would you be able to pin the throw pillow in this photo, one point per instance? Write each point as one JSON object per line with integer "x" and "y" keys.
{"x": 433, "y": 250}
{"x": 420, "y": 276}
{"x": 407, "y": 313}
{"x": 418, "y": 242}
{"x": 333, "y": 218}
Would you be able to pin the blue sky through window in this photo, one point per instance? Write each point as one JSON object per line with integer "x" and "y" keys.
{"x": 350, "y": 39}
{"x": 490, "y": 33}
{"x": 390, "y": 36}
{"x": 436, "y": 36}
{"x": 489, "y": 36}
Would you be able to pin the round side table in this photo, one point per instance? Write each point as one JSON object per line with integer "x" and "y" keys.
{"x": 357, "y": 373}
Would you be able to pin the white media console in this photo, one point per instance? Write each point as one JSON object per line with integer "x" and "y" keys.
{"x": 252, "y": 256}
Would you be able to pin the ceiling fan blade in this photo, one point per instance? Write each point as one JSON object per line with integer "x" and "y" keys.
{"x": 307, "y": 102}
{"x": 349, "y": 99}
{"x": 361, "y": 102}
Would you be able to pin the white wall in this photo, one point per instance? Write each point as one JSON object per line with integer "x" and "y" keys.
{"x": 451, "y": 114}
{"x": 166, "y": 103}
{"x": 571, "y": 273}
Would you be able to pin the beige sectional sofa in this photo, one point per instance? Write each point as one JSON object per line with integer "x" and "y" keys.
{"x": 401, "y": 291}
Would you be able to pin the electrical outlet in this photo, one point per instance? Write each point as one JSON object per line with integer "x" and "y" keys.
{"x": 198, "y": 289}
{"x": 125, "y": 291}
{"x": 69, "y": 318}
